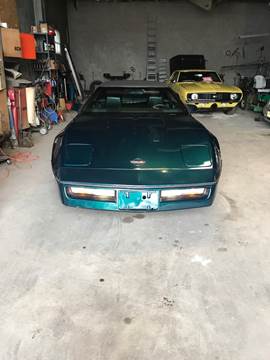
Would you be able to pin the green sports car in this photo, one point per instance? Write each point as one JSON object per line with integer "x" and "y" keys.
{"x": 134, "y": 146}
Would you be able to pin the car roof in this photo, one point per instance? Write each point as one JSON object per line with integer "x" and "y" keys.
{"x": 134, "y": 83}
{"x": 201, "y": 70}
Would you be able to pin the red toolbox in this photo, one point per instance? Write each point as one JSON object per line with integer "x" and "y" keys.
{"x": 28, "y": 44}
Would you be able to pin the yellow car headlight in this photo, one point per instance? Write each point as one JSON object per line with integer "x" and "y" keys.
{"x": 234, "y": 96}
{"x": 194, "y": 96}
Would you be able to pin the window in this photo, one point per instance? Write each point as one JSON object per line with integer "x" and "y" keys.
{"x": 125, "y": 99}
{"x": 57, "y": 40}
{"x": 199, "y": 76}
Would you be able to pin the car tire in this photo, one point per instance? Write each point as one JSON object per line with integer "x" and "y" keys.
{"x": 230, "y": 111}
{"x": 192, "y": 109}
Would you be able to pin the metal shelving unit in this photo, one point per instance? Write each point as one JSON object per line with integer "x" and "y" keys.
{"x": 45, "y": 50}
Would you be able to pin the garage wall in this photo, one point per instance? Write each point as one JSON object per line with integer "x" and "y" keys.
{"x": 56, "y": 15}
{"x": 111, "y": 37}
{"x": 26, "y": 14}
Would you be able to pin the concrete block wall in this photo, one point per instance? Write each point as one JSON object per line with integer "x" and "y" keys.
{"x": 111, "y": 37}
{"x": 56, "y": 15}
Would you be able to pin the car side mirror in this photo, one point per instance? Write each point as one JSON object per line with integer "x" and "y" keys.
{"x": 221, "y": 76}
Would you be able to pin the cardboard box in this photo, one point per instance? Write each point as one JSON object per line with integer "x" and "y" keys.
{"x": 8, "y": 13}
{"x": 53, "y": 65}
{"x": 43, "y": 28}
{"x": 11, "y": 42}
{"x": 34, "y": 29}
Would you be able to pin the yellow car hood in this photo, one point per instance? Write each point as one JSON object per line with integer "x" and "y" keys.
{"x": 202, "y": 87}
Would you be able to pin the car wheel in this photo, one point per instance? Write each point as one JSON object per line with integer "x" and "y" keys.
{"x": 230, "y": 111}
{"x": 192, "y": 109}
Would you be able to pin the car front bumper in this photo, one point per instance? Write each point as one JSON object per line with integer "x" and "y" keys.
{"x": 206, "y": 106}
{"x": 138, "y": 198}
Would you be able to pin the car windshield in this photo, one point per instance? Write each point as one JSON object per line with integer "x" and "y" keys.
{"x": 199, "y": 76}
{"x": 128, "y": 99}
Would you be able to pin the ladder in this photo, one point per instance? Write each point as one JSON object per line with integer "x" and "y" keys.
{"x": 151, "y": 61}
{"x": 162, "y": 69}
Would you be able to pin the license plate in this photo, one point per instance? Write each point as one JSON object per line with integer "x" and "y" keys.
{"x": 202, "y": 105}
{"x": 138, "y": 200}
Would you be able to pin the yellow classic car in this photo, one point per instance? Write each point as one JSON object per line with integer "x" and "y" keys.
{"x": 204, "y": 90}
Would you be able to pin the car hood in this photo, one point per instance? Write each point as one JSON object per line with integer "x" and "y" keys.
{"x": 125, "y": 142}
{"x": 200, "y": 87}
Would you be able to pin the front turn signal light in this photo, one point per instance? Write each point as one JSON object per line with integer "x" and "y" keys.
{"x": 184, "y": 194}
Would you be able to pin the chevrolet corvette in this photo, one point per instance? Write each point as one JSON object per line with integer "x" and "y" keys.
{"x": 134, "y": 146}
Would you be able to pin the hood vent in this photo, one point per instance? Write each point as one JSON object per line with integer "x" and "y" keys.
{"x": 196, "y": 156}
{"x": 78, "y": 154}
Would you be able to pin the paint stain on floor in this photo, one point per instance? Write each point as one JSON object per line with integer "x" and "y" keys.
{"x": 139, "y": 216}
{"x": 222, "y": 249}
{"x": 128, "y": 220}
{"x": 167, "y": 302}
{"x": 127, "y": 320}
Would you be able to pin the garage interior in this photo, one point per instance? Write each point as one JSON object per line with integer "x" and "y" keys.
{"x": 85, "y": 284}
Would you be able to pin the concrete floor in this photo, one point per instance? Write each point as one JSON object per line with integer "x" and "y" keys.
{"x": 78, "y": 284}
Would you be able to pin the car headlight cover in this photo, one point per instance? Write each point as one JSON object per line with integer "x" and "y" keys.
{"x": 234, "y": 96}
{"x": 183, "y": 194}
{"x": 86, "y": 193}
{"x": 194, "y": 96}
